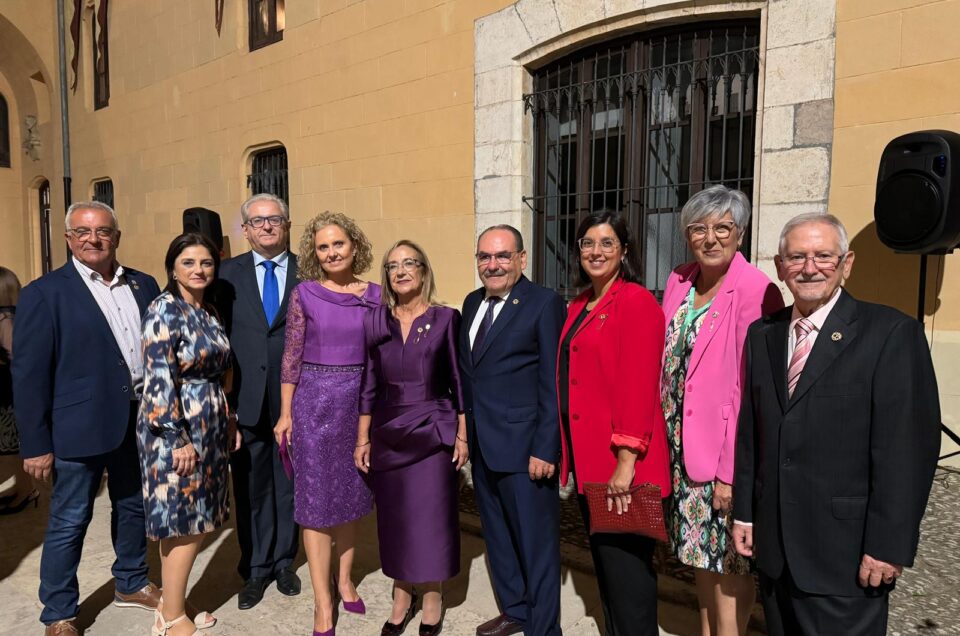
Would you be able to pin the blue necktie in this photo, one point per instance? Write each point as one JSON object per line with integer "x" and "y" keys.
{"x": 271, "y": 291}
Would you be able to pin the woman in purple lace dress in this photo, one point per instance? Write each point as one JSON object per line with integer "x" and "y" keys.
{"x": 323, "y": 361}
{"x": 412, "y": 436}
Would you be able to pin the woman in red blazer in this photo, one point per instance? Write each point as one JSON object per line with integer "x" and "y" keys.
{"x": 708, "y": 305}
{"x": 608, "y": 372}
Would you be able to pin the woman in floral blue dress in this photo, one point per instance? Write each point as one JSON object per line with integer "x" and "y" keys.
{"x": 183, "y": 427}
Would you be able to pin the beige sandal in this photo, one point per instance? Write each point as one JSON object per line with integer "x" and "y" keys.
{"x": 201, "y": 620}
{"x": 161, "y": 625}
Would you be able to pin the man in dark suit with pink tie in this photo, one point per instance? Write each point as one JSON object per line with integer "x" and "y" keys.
{"x": 836, "y": 446}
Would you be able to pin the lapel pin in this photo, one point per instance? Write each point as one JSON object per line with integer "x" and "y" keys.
{"x": 836, "y": 336}
{"x": 716, "y": 314}
{"x": 133, "y": 284}
{"x": 603, "y": 316}
{"x": 516, "y": 301}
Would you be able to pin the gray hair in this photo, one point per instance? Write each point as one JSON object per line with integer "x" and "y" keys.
{"x": 517, "y": 236}
{"x": 716, "y": 201}
{"x": 91, "y": 205}
{"x": 245, "y": 206}
{"x": 814, "y": 217}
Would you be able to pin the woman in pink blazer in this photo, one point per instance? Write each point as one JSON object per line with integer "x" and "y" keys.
{"x": 708, "y": 305}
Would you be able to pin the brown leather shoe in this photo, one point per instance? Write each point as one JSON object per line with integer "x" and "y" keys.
{"x": 62, "y": 628}
{"x": 146, "y": 598}
{"x": 502, "y": 625}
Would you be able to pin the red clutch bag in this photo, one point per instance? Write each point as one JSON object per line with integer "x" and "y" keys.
{"x": 644, "y": 515}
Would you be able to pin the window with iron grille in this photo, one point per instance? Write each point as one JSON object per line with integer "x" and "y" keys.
{"x": 103, "y": 191}
{"x": 46, "y": 251}
{"x": 101, "y": 57}
{"x": 637, "y": 125}
{"x": 4, "y": 134}
{"x": 266, "y": 22}
{"x": 269, "y": 173}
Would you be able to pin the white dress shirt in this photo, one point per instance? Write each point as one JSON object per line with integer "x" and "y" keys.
{"x": 475, "y": 325}
{"x": 280, "y": 270}
{"x": 120, "y": 308}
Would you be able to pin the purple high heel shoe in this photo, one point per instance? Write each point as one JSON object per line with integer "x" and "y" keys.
{"x": 354, "y": 607}
{"x": 330, "y": 632}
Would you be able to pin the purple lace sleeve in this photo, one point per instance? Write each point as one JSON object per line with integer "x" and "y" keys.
{"x": 293, "y": 342}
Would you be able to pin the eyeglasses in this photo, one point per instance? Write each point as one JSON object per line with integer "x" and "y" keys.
{"x": 822, "y": 261}
{"x": 698, "y": 231}
{"x": 503, "y": 258}
{"x": 407, "y": 265}
{"x": 607, "y": 245}
{"x": 259, "y": 221}
{"x": 85, "y": 233}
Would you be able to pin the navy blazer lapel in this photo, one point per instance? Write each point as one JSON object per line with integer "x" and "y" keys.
{"x": 776, "y": 336}
{"x": 250, "y": 290}
{"x": 839, "y": 330}
{"x": 470, "y": 307}
{"x": 510, "y": 309}
{"x": 87, "y": 304}
{"x": 135, "y": 281}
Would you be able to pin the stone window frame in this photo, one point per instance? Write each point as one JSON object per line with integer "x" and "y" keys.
{"x": 258, "y": 161}
{"x": 795, "y": 98}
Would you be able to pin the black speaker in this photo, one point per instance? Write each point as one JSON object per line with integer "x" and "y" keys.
{"x": 206, "y": 222}
{"x": 918, "y": 193}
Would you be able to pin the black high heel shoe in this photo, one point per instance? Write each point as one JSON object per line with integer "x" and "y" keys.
{"x": 12, "y": 509}
{"x": 436, "y": 628}
{"x": 393, "y": 629}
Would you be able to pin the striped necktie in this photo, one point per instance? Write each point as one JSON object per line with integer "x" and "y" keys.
{"x": 801, "y": 351}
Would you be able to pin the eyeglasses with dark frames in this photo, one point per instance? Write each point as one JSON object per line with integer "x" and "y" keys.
{"x": 258, "y": 222}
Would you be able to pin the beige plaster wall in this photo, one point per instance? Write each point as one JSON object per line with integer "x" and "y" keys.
{"x": 373, "y": 100}
{"x": 897, "y": 67}
{"x": 27, "y": 51}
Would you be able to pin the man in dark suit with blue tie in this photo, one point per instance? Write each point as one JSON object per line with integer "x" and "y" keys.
{"x": 508, "y": 353}
{"x": 253, "y": 300}
{"x": 77, "y": 377}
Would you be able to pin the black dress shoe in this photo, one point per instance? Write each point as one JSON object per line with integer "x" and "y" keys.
{"x": 252, "y": 592}
{"x": 288, "y": 583}
{"x": 392, "y": 629}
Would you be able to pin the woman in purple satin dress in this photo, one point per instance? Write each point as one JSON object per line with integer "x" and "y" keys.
{"x": 323, "y": 360}
{"x": 412, "y": 435}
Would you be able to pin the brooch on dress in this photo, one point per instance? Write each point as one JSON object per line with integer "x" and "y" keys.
{"x": 423, "y": 331}
{"x": 836, "y": 336}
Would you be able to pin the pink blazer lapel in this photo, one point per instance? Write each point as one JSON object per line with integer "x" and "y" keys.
{"x": 720, "y": 309}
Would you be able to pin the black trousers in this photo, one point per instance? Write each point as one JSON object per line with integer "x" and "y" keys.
{"x": 793, "y": 612}
{"x": 263, "y": 498}
{"x": 627, "y": 580}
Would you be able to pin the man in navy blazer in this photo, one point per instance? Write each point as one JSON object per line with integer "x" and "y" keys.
{"x": 507, "y": 357}
{"x": 77, "y": 375}
{"x": 263, "y": 493}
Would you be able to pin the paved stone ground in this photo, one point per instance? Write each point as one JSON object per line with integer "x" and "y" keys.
{"x": 927, "y": 602}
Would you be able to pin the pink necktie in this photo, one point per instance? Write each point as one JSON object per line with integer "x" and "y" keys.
{"x": 801, "y": 351}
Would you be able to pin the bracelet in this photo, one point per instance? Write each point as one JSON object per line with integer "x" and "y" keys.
{"x": 364, "y": 444}
{"x": 461, "y": 439}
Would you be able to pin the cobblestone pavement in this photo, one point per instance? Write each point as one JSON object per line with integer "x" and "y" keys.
{"x": 926, "y": 602}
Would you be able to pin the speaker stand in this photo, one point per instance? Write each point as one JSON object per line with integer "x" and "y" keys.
{"x": 921, "y": 303}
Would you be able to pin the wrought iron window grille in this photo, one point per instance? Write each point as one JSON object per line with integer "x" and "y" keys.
{"x": 269, "y": 173}
{"x": 103, "y": 192}
{"x": 637, "y": 125}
